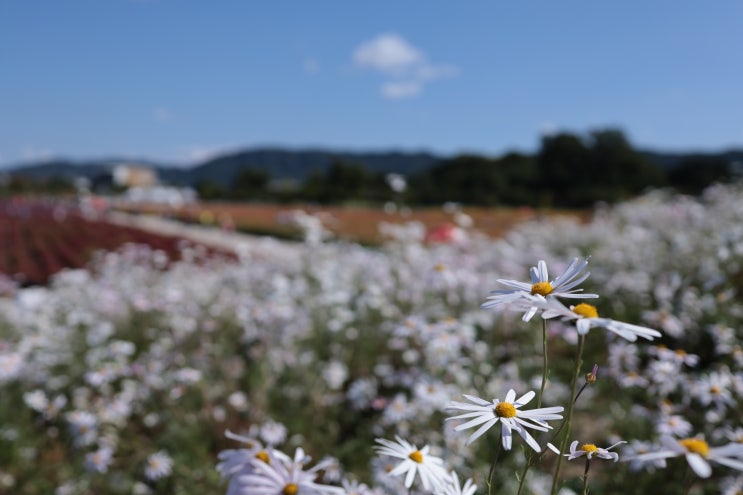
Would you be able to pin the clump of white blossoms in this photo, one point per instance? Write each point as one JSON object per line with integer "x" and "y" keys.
{"x": 561, "y": 286}
{"x": 430, "y": 468}
{"x": 510, "y": 415}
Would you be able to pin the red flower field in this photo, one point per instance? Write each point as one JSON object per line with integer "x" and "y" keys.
{"x": 40, "y": 238}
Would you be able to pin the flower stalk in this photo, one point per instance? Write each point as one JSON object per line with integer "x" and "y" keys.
{"x": 568, "y": 418}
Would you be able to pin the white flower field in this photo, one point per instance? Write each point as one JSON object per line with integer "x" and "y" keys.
{"x": 284, "y": 371}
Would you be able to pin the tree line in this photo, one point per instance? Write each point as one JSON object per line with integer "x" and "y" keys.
{"x": 568, "y": 170}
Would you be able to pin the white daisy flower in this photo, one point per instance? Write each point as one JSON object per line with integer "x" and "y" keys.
{"x": 587, "y": 317}
{"x": 429, "y": 468}
{"x": 589, "y": 450}
{"x": 354, "y": 487}
{"x": 273, "y": 433}
{"x": 235, "y": 462}
{"x": 509, "y": 413}
{"x": 100, "y": 460}
{"x": 278, "y": 477}
{"x": 562, "y": 286}
{"x": 159, "y": 465}
{"x": 698, "y": 453}
{"x": 674, "y": 425}
{"x": 454, "y": 488}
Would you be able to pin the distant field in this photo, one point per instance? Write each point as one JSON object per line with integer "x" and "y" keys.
{"x": 40, "y": 239}
{"x": 353, "y": 223}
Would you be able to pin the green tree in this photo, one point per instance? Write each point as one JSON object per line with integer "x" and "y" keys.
{"x": 694, "y": 173}
{"x": 250, "y": 184}
{"x": 342, "y": 181}
{"x": 565, "y": 171}
{"x": 208, "y": 189}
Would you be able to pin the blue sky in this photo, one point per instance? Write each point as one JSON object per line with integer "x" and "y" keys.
{"x": 181, "y": 80}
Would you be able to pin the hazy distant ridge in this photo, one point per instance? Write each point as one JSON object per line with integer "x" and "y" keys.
{"x": 290, "y": 164}
{"x": 280, "y": 164}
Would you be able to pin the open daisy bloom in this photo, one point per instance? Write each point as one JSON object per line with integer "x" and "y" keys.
{"x": 510, "y": 415}
{"x": 236, "y": 462}
{"x": 589, "y": 450}
{"x": 587, "y": 317}
{"x": 276, "y": 476}
{"x": 454, "y": 488}
{"x": 562, "y": 286}
{"x": 430, "y": 468}
{"x": 698, "y": 454}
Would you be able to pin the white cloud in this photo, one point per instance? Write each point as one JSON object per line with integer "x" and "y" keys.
{"x": 388, "y": 53}
{"x": 400, "y": 90}
{"x": 405, "y": 67}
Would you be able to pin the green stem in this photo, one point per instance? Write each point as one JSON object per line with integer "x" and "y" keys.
{"x": 544, "y": 362}
{"x": 688, "y": 480}
{"x": 530, "y": 457}
{"x": 585, "y": 477}
{"x": 492, "y": 465}
{"x": 563, "y": 444}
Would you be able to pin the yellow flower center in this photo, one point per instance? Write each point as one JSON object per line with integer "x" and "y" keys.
{"x": 416, "y": 456}
{"x": 680, "y": 352}
{"x": 589, "y": 447}
{"x": 715, "y": 390}
{"x": 290, "y": 489}
{"x": 585, "y": 310}
{"x": 505, "y": 410}
{"x": 541, "y": 288}
{"x": 696, "y": 446}
{"x": 262, "y": 455}
{"x": 439, "y": 267}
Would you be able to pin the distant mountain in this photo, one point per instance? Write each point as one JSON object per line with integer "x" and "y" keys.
{"x": 296, "y": 165}
{"x": 279, "y": 163}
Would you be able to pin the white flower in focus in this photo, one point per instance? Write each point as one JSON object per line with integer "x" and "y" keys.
{"x": 414, "y": 461}
{"x": 587, "y": 317}
{"x": 698, "y": 453}
{"x": 509, "y": 413}
{"x": 589, "y": 450}
{"x": 562, "y": 286}
{"x": 159, "y": 465}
